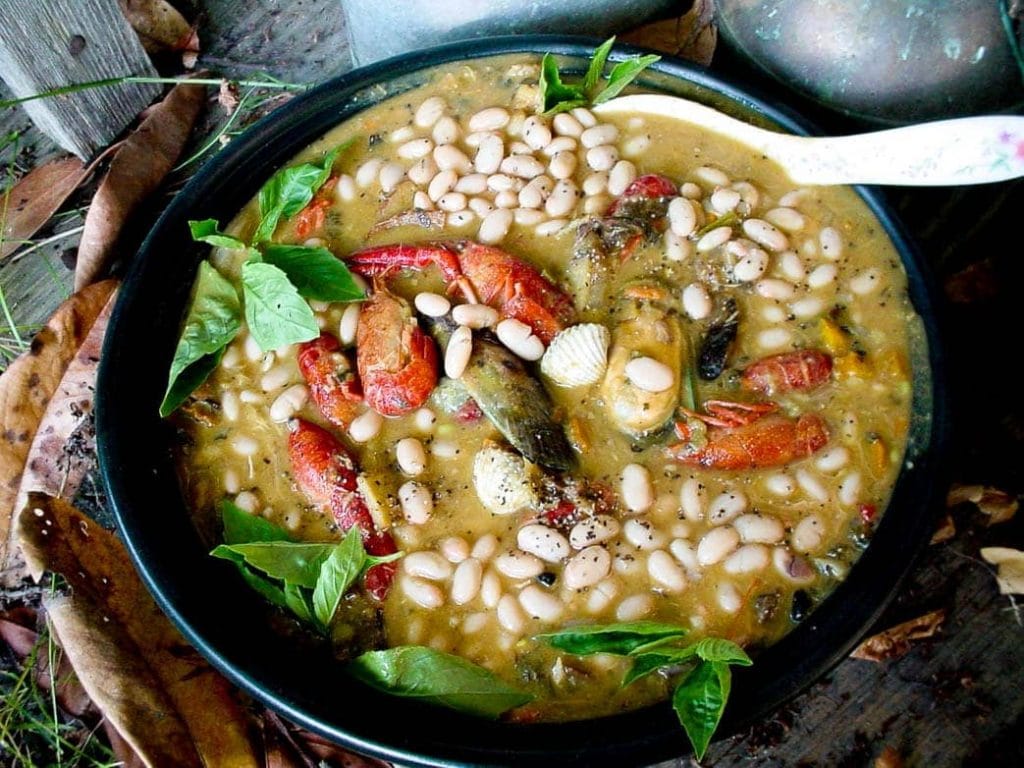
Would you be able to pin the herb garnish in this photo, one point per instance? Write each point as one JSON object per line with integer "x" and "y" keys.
{"x": 309, "y": 579}
{"x": 276, "y": 281}
{"x": 556, "y": 96}
{"x": 699, "y": 698}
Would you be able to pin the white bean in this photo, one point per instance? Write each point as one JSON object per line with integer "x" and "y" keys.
{"x": 367, "y": 173}
{"x": 635, "y": 146}
{"x": 562, "y": 200}
{"x": 454, "y": 549}
{"x": 724, "y": 200}
{"x": 779, "y": 290}
{"x": 446, "y": 130}
{"x": 510, "y": 615}
{"x": 822, "y": 275}
{"x": 248, "y": 501}
{"x": 540, "y": 604}
{"x": 760, "y": 231}
{"x": 684, "y": 552}
{"x": 229, "y": 405}
{"x": 522, "y": 166}
{"x": 429, "y": 112}
{"x": 489, "y": 119}
{"x": 585, "y": 116}
{"x": 605, "y": 133}
{"x": 365, "y": 426}
{"x": 275, "y": 378}
{"x": 475, "y": 315}
{"x": 622, "y": 174}
{"x": 726, "y": 506}
{"x": 808, "y": 306}
{"x": 415, "y": 149}
{"x": 472, "y": 184}
{"x": 244, "y": 445}
{"x": 602, "y": 595}
{"x": 749, "y": 193}
{"x": 250, "y": 397}
{"x": 481, "y": 206}
{"x": 485, "y": 547}
{"x": 849, "y": 489}
{"x": 519, "y": 565}
{"x": 450, "y": 158}
{"x": 567, "y": 125}
{"x": 774, "y": 338}
{"x": 643, "y": 535}
{"x": 696, "y": 301}
{"x": 288, "y": 403}
{"x": 391, "y": 175}
{"x": 717, "y": 544}
{"x": 636, "y": 488}
{"x": 466, "y": 581}
{"x": 495, "y": 226}
{"x": 519, "y": 339}
{"x": 432, "y": 304}
{"x": 458, "y": 351}
{"x": 560, "y": 144}
{"x": 833, "y": 459}
{"x": 348, "y": 327}
{"x": 593, "y": 530}
{"x": 452, "y": 202}
{"x": 811, "y": 485}
{"x": 444, "y": 449}
{"x": 683, "y": 216}
{"x": 677, "y": 248}
{"x": 780, "y": 484}
{"x": 866, "y": 282}
{"x": 552, "y": 227}
{"x": 490, "y": 589}
{"x": 421, "y": 592}
{"x": 489, "y": 155}
{"x": 543, "y": 542}
{"x": 563, "y": 165}
{"x": 712, "y": 176}
{"x": 602, "y": 158}
{"x": 691, "y": 191}
{"x": 528, "y": 217}
{"x": 595, "y": 183}
{"x": 442, "y": 184}
{"x": 751, "y": 265}
{"x": 729, "y": 599}
{"x": 808, "y": 534}
{"x": 759, "y": 529}
{"x": 634, "y": 607}
{"x": 717, "y": 237}
{"x": 831, "y": 243}
{"x": 665, "y": 571}
{"x": 773, "y": 313}
{"x": 421, "y": 201}
{"x": 587, "y": 567}
{"x": 428, "y": 565}
{"x": 411, "y": 457}
{"x": 507, "y": 199}
{"x": 747, "y": 559}
{"x": 649, "y": 374}
{"x": 793, "y": 198}
{"x": 786, "y": 218}
{"x": 346, "y": 188}
{"x": 536, "y": 132}
{"x": 232, "y": 483}
{"x": 792, "y": 266}
{"x": 475, "y": 622}
{"x": 692, "y": 494}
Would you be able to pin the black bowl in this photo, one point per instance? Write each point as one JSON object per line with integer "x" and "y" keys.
{"x": 226, "y": 621}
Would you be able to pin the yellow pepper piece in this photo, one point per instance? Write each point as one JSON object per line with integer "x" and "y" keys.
{"x": 878, "y": 455}
{"x": 852, "y": 365}
{"x": 835, "y": 339}
{"x": 892, "y": 363}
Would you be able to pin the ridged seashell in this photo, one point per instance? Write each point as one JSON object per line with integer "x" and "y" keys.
{"x": 503, "y": 480}
{"x": 577, "y": 356}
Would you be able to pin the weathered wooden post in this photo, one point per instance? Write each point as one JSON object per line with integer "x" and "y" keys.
{"x": 47, "y": 44}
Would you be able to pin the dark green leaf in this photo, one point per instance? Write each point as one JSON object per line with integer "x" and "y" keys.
{"x": 297, "y": 601}
{"x": 277, "y": 315}
{"x": 699, "y": 701}
{"x": 623, "y": 74}
{"x": 651, "y": 661}
{"x": 439, "y": 678}
{"x": 213, "y": 319}
{"x": 596, "y": 68}
{"x": 296, "y": 563}
{"x": 553, "y": 93}
{"x": 208, "y": 231}
{"x": 241, "y": 527}
{"x": 289, "y": 191}
{"x": 315, "y": 272}
{"x": 726, "y": 651}
{"x": 610, "y": 638}
{"x": 337, "y": 574}
{"x": 264, "y": 586}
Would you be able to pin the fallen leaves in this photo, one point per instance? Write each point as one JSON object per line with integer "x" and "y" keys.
{"x": 135, "y": 172}
{"x": 35, "y": 198}
{"x": 692, "y": 36}
{"x": 158, "y": 24}
{"x": 896, "y": 641}
{"x": 28, "y": 385}
{"x": 997, "y": 506}
{"x": 163, "y": 698}
{"x": 1009, "y": 568}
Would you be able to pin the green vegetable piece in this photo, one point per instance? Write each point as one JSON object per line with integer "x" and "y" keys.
{"x": 610, "y": 638}
{"x": 651, "y": 661}
{"x": 241, "y": 527}
{"x": 277, "y": 315}
{"x": 337, "y": 574}
{"x": 213, "y": 319}
{"x": 699, "y": 701}
{"x": 554, "y": 95}
{"x": 289, "y": 191}
{"x": 725, "y": 220}
{"x": 596, "y": 68}
{"x": 623, "y": 74}
{"x": 297, "y": 601}
{"x": 296, "y": 563}
{"x": 315, "y": 272}
{"x": 725, "y": 651}
{"x": 438, "y": 678}
{"x": 208, "y": 231}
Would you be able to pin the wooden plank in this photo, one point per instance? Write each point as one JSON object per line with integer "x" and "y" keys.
{"x": 47, "y": 44}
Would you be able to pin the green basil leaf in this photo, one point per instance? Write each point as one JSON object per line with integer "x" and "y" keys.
{"x": 610, "y": 638}
{"x": 297, "y": 601}
{"x": 289, "y": 191}
{"x": 699, "y": 701}
{"x": 296, "y": 563}
{"x": 213, "y": 319}
{"x": 623, "y": 74}
{"x": 268, "y": 589}
{"x": 553, "y": 92}
{"x": 725, "y": 651}
{"x": 277, "y": 315}
{"x": 439, "y": 678}
{"x": 651, "y": 661}
{"x": 208, "y": 231}
{"x": 315, "y": 272}
{"x": 337, "y": 573}
{"x": 241, "y": 527}
{"x": 596, "y": 68}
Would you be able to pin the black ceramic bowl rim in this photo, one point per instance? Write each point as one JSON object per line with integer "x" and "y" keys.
{"x": 227, "y": 623}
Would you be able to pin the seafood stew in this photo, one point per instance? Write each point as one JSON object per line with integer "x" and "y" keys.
{"x": 663, "y": 387}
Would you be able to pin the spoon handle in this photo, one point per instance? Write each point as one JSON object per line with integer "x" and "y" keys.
{"x": 971, "y": 150}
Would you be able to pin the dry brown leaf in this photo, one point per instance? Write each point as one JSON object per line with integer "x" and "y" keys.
{"x": 190, "y": 49}
{"x": 332, "y": 754}
{"x": 135, "y": 172}
{"x": 1009, "y": 568}
{"x": 35, "y": 198}
{"x": 945, "y": 530}
{"x": 158, "y": 24}
{"x": 57, "y": 537}
{"x": 997, "y": 506}
{"x": 692, "y": 36}
{"x": 895, "y": 641}
{"x": 227, "y": 96}
{"x": 28, "y": 384}
{"x": 123, "y": 752}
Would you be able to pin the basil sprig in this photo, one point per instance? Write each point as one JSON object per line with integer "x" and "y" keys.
{"x": 414, "y": 671}
{"x": 276, "y": 281}
{"x": 699, "y": 698}
{"x": 309, "y": 579}
{"x": 556, "y": 96}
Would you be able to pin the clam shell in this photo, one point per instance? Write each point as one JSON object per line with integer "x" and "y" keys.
{"x": 577, "y": 356}
{"x": 503, "y": 480}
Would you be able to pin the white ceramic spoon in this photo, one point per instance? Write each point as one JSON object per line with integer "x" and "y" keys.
{"x": 969, "y": 150}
